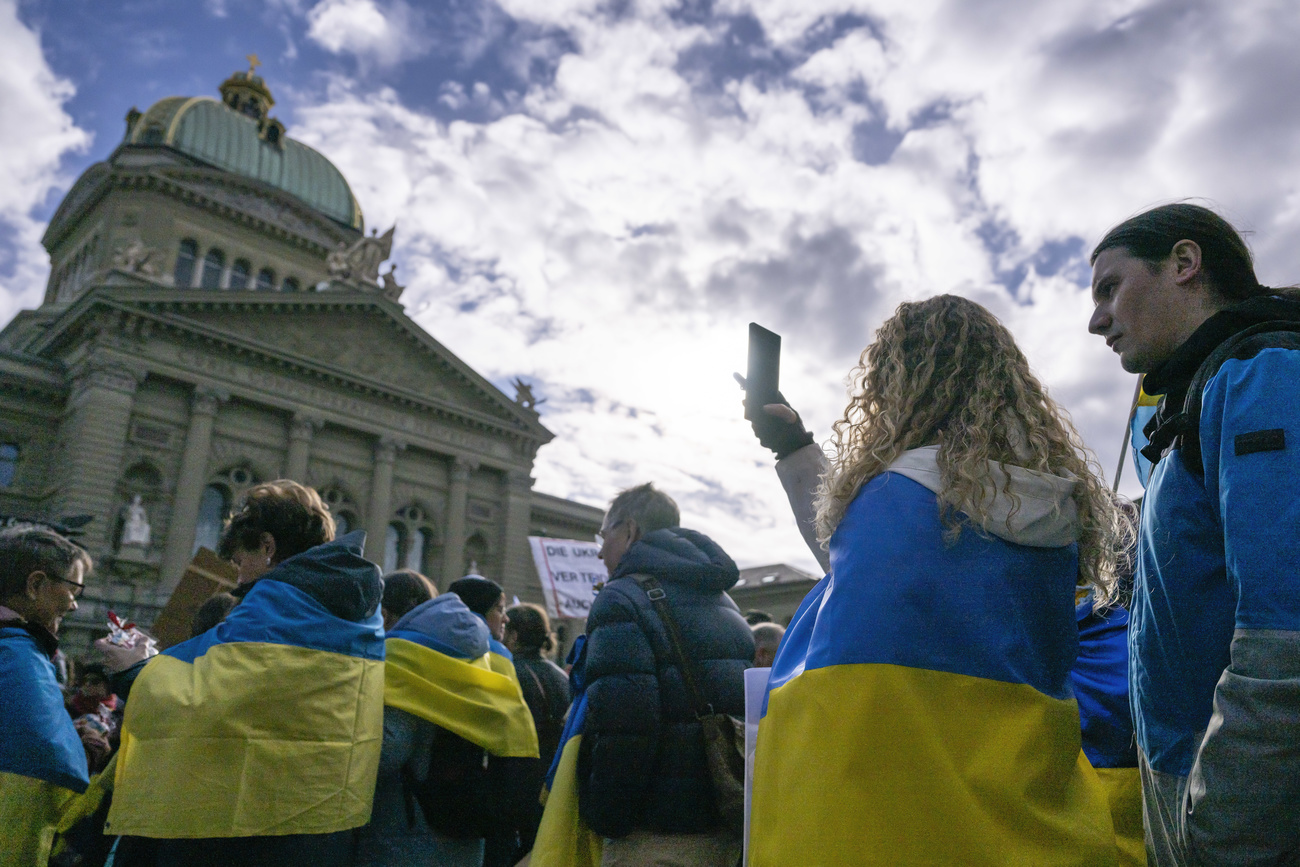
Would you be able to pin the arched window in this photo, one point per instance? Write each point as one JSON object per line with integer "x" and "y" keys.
{"x": 265, "y": 280}
{"x": 415, "y": 551}
{"x": 478, "y": 556}
{"x": 393, "y": 544}
{"x": 290, "y": 285}
{"x": 212, "y": 515}
{"x": 213, "y": 264}
{"x": 240, "y": 271}
{"x": 185, "y": 258}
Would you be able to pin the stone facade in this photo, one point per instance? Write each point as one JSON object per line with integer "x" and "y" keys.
{"x": 144, "y": 376}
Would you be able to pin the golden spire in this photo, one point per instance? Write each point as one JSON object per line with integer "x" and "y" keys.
{"x": 253, "y": 62}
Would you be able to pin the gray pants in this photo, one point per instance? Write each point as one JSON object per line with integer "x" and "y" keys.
{"x": 1163, "y": 816}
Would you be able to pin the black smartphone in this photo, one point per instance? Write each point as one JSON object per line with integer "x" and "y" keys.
{"x": 763, "y": 375}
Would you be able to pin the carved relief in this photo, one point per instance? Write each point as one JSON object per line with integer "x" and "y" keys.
{"x": 261, "y": 461}
{"x": 136, "y": 258}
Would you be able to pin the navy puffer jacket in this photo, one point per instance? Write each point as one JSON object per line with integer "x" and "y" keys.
{"x": 641, "y": 764}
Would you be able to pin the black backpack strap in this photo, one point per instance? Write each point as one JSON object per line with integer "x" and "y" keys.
{"x": 1185, "y": 428}
{"x": 655, "y": 591}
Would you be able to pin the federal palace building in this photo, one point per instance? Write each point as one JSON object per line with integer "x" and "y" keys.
{"x": 216, "y": 317}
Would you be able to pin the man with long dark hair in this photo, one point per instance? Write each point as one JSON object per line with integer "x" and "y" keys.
{"x": 1215, "y": 666}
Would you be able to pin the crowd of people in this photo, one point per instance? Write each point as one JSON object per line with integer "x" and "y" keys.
{"x": 1006, "y": 663}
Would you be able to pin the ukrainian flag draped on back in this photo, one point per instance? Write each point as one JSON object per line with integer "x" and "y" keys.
{"x": 919, "y": 709}
{"x": 468, "y": 697}
{"x": 563, "y": 839}
{"x": 42, "y": 763}
{"x": 271, "y": 723}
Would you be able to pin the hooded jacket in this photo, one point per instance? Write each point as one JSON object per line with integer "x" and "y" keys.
{"x": 920, "y": 709}
{"x": 1215, "y": 637}
{"x": 397, "y": 832}
{"x": 641, "y": 762}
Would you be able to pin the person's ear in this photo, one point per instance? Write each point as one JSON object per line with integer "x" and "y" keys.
{"x": 633, "y": 531}
{"x": 1185, "y": 259}
{"x": 267, "y": 546}
{"x": 34, "y": 581}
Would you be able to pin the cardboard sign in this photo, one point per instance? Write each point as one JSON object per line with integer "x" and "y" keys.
{"x": 206, "y": 576}
{"x": 570, "y": 572}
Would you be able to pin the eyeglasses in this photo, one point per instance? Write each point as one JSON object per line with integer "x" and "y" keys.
{"x": 600, "y": 537}
{"x": 77, "y": 589}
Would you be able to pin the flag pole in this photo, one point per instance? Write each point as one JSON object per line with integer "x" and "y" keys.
{"x": 1128, "y": 427}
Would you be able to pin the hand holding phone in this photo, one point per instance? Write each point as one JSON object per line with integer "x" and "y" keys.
{"x": 778, "y": 428}
{"x": 763, "y": 374}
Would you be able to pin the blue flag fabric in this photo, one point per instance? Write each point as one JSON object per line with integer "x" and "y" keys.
{"x": 37, "y": 738}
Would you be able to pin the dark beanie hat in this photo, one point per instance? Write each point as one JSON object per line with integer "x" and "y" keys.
{"x": 478, "y": 594}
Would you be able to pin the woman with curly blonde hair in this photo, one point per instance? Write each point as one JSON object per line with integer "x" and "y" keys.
{"x": 920, "y": 710}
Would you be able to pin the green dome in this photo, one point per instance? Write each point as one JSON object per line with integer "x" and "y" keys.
{"x": 209, "y": 131}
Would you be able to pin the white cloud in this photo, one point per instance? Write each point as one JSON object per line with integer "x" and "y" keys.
{"x": 379, "y": 34}
{"x": 613, "y": 227}
{"x": 36, "y": 135}
{"x": 616, "y": 257}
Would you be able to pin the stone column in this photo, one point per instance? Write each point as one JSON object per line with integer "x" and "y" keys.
{"x": 516, "y": 559}
{"x": 190, "y": 482}
{"x": 453, "y": 551}
{"x": 381, "y": 494}
{"x": 94, "y": 441}
{"x": 301, "y": 430}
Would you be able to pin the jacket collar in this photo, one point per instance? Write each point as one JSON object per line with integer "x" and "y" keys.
{"x": 47, "y": 641}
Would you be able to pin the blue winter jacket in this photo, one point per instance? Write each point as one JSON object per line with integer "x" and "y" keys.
{"x": 1215, "y": 636}
{"x": 641, "y": 764}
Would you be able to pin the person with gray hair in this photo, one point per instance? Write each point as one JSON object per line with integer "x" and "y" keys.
{"x": 642, "y": 779}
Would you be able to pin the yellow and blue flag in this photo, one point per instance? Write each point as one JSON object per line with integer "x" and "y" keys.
{"x": 1143, "y": 412}
{"x": 1100, "y": 680}
{"x": 467, "y": 697}
{"x": 919, "y": 709}
{"x": 270, "y": 723}
{"x": 42, "y": 763}
{"x": 563, "y": 839}
{"x": 37, "y": 738}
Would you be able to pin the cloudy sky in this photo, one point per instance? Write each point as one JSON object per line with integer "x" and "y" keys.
{"x": 599, "y": 196}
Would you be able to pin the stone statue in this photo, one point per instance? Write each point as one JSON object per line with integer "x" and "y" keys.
{"x": 137, "y": 530}
{"x": 337, "y": 262}
{"x": 367, "y": 253}
{"x": 392, "y": 289}
{"x": 359, "y": 263}
{"x": 135, "y": 258}
{"x": 524, "y": 395}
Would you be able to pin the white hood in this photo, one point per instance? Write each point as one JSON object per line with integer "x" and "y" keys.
{"x": 1047, "y": 516}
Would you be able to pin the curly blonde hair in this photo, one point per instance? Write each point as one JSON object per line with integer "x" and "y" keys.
{"x": 945, "y": 371}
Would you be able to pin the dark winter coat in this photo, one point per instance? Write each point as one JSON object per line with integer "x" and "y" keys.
{"x": 641, "y": 765}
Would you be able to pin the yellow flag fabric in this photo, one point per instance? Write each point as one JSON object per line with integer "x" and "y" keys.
{"x": 29, "y": 811}
{"x": 563, "y": 839}
{"x": 466, "y": 697}
{"x": 269, "y": 724}
{"x": 1124, "y": 792}
{"x": 859, "y": 799}
{"x": 502, "y": 665}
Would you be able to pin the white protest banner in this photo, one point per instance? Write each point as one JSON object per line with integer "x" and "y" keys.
{"x": 570, "y": 571}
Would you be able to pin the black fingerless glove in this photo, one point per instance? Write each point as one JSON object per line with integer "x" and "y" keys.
{"x": 784, "y": 438}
